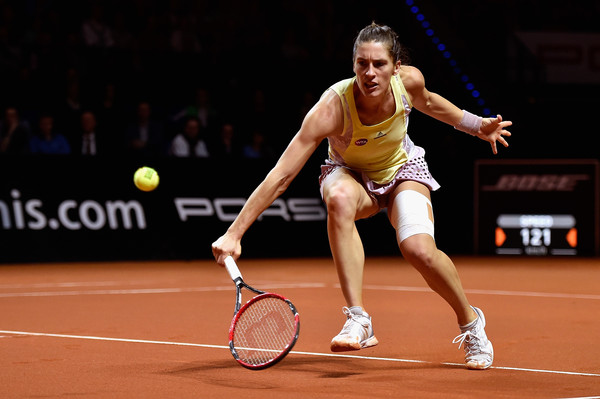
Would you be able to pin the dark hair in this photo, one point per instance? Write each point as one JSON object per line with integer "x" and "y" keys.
{"x": 381, "y": 34}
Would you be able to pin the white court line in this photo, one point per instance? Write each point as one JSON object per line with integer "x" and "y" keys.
{"x": 289, "y": 286}
{"x": 385, "y": 359}
{"x": 147, "y": 290}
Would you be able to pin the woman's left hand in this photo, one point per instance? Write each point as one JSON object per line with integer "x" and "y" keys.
{"x": 493, "y": 130}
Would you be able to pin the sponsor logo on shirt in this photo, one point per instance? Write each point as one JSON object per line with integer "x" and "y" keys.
{"x": 380, "y": 135}
{"x": 360, "y": 142}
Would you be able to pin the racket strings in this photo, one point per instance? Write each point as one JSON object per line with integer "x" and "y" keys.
{"x": 264, "y": 330}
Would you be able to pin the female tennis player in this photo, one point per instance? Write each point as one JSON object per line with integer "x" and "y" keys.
{"x": 372, "y": 165}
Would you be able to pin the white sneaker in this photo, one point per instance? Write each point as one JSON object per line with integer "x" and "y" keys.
{"x": 357, "y": 332}
{"x": 479, "y": 352}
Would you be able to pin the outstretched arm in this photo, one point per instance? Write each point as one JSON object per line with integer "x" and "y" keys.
{"x": 274, "y": 184}
{"x": 491, "y": 130}
{"x": 321, "y": 121}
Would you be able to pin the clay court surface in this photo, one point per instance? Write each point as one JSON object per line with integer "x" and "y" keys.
{"x": 159, "y": 330}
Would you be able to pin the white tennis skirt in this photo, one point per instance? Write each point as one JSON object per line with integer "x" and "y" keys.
{"x": 415, "y": 169}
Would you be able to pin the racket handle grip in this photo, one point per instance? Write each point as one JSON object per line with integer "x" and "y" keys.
{"x": 232, "y": 268}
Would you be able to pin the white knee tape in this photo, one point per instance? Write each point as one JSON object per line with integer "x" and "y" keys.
{"x": 412, "y": 214}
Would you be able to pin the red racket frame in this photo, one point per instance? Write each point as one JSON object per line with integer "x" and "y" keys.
{"x": 288, "y": 347}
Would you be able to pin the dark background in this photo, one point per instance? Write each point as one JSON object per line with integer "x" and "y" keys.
{"x": 264, "y": 63}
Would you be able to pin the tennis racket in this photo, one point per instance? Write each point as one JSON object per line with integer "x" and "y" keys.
{"x": 265, "y": 329}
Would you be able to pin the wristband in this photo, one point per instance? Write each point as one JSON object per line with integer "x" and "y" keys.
{"x": 470, "y": 123}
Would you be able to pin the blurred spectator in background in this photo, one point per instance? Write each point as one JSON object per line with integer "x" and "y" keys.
{"x": 95, "y": 32}
{"x": 257, "y": 114}
{"x": 14, "y": 133}
{"x": 47, "y": 141}
{"x": 144, "y": 136}
{"x": 226, "y": 144}
{"x": 189, "y": 143}
{"x": 68, "y": 116}
{"x": 257, "y": 147}
{"x": 201, "y": 108}
{"x": 184, "y": 37}
{"x": 89, "y": 142}
{"x": 109, "y": 111}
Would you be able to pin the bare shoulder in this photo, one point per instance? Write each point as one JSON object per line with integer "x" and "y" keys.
{"x": 414, "y": 83}
{"x": 412, "y": 78}
{"x": 326, "y": 117}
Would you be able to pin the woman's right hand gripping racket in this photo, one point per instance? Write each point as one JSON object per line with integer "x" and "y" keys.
{"x": 265, "y": 329}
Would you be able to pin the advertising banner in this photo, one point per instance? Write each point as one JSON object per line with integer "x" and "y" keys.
{"x": 87, "y": 209}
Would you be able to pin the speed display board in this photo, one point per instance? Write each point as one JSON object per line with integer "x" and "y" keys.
{"x": 537, "y": 207}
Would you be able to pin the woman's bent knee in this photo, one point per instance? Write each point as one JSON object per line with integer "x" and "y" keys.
{"x": 346, "y": 198}
{"x": 419, "y": 250}
{"x": 341, "y": 201}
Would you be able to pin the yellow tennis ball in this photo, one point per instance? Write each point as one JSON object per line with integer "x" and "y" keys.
{"x": 146, "y": 178}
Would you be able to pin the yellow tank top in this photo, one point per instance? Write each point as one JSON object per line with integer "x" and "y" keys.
{"x": 376, "y": 150}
